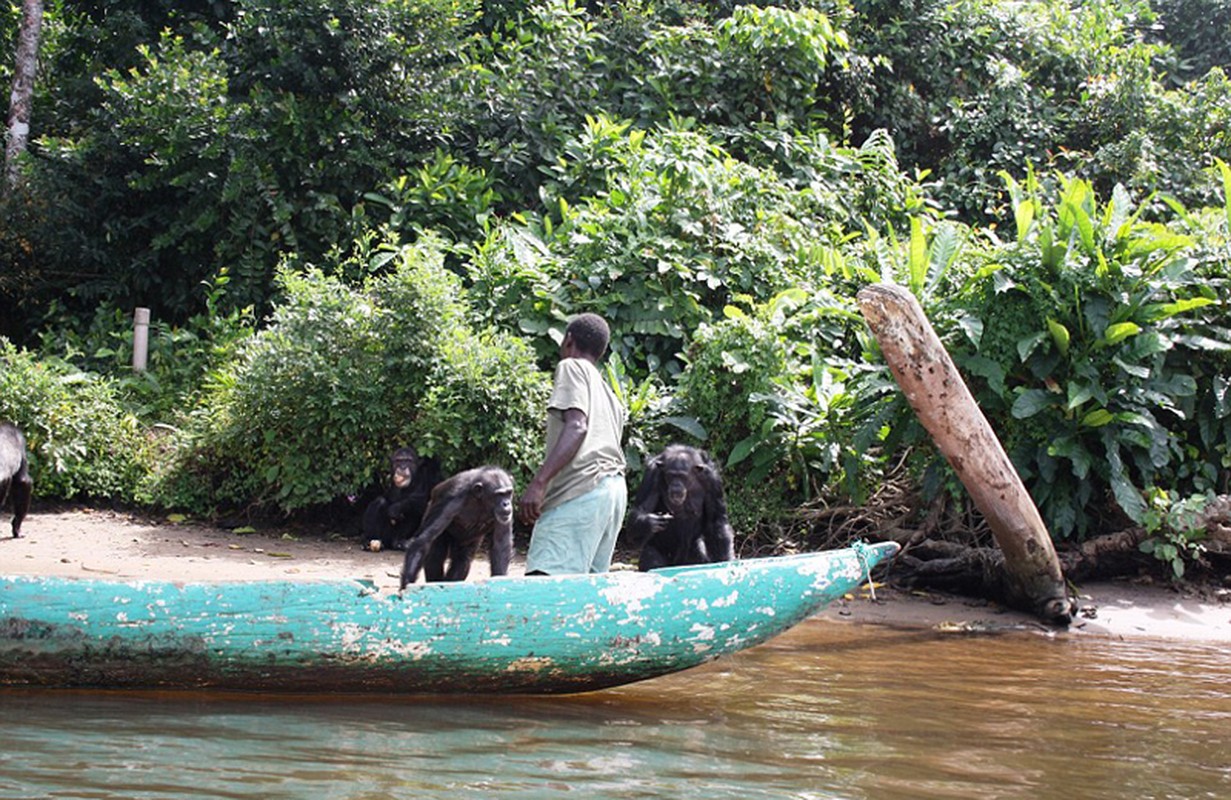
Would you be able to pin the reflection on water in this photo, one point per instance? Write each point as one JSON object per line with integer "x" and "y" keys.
{"x": 827, "y": 711}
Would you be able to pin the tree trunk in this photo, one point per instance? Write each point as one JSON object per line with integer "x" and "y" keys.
{"x": 924, "y": 371}
{"x": 22, "y": 99}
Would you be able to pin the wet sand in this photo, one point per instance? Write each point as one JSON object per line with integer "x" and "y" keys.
{"x": 91, "y": 543}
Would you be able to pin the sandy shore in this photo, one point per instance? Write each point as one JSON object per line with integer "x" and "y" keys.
{"x": 105, "y": 544}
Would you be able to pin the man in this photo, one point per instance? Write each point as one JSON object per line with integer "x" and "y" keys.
{"x": 576, "y": 500}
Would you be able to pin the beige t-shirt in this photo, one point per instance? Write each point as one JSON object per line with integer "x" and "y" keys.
{"x": 578, "y": 384}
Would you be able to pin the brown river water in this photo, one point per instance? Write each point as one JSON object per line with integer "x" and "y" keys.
{"x": 826, "y": 711}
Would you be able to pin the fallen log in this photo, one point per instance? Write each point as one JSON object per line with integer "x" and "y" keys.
{"x": 1032, "y": 578}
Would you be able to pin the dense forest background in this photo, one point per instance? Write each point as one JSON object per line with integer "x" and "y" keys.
{"x": 360, "y": 223}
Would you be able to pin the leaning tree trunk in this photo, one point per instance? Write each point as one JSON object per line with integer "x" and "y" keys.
{"x": 22, "y": 99}
{"x": 1033, "y": 578}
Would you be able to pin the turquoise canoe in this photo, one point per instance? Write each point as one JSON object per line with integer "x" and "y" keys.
{"x": 501, "y": 635}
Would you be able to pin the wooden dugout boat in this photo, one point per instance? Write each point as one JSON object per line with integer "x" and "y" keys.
{"x": 501, "y": 635}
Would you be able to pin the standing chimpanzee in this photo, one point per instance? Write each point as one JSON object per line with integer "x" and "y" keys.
{"x": 395, "y": 516}
{"x": 464, "y": 510}
{"x": 679, "y": 515}
{"x": 15, "y": 479}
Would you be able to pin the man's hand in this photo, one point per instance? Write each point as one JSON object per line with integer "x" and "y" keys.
{"x": 530, "y": 506}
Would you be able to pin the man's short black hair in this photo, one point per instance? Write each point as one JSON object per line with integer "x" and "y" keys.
{"x": 590, "y": 333}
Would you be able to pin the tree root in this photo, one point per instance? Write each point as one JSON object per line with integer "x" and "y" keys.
{"x": 946, "y": 545}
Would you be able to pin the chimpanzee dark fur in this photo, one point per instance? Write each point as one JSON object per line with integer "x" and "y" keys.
{"x": 15, "y": 479}
{"x": 679, "y": 515}
{"x": 395, "y": 516}
{"x": 465, "y": 509}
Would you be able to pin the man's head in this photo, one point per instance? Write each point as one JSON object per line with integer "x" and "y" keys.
{"x": 589, "y": 334}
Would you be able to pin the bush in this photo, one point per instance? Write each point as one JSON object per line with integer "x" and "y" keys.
{"x": 340, "y": 376}
{"x": 679, "y": 229}
{"x": 83, "y": 442}
{"x": 1199, "y": 33}
{"x": 760, "y": 64}
{"x": 733, "y": 367}
{"x": 1087, "y": 355}
{"x": 790, "y": 407}
{"x": 179, "y": 359}
{"x": 235, "y": 138}
{"x": 1157, "y": 140}
{"x": 485, "y": 404}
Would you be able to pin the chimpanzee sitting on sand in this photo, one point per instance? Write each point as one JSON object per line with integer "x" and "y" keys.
{"x": 394, "y": 517}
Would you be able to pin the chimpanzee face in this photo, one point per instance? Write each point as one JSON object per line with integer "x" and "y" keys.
{"x": 403, "y": 473}
{"x": 682, "y": 481}
{"x": 495, "y": 492}
{"x": 504, "y": 506}
{"x": 405, "y": 462}
{"x": 677, "y": 489}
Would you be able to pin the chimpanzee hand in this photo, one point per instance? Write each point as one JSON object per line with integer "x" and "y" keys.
{"x": 658, "y": 522}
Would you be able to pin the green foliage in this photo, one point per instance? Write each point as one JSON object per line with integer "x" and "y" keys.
{"x": 339, "y": 376}
{"x": 1153, "y": 139}
{"x": 442, "y": 195}
{"x": 1199, "y": 35}
{"x": 179, "y": 357}
{"x": 485, "y": 404}
{"x": 549, "y": 70}
{"x": 83, "y": 442}
{"x": 234, "y": 143}
{"x": 1176, "y": 528}
{"x": 758, "y": 64}
{"x": 840, "y": 188}
{"x": 787, "y": 410}
{"x": 655, "y": 417}
{"x": 537, "y": 76}
{"x": 659, "y": 231}
{"x": 975, "y": 87}
{"x": 1087, "y": 353}
{"x": 293, "y": 420}
{"x": 728, "y": 384}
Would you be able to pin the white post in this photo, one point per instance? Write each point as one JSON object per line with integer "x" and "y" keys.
{"x": 141, "y": 338}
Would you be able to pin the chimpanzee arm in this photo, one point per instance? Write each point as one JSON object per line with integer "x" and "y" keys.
{"x": 406, "y": 513}
{"x": 396, "y": 507}
{"x": 719, "y": 538}
{"x": 436, "y": 521}
{"x": 647, "y": 517}
{"x": 502, "y": 547}
{"x": 376, "y": 519}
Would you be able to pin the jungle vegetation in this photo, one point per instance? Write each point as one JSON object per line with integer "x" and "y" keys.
{"x": 364, "y": 222}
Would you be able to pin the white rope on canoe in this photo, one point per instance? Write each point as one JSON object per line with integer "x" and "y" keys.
{"x": 861, "y": 552}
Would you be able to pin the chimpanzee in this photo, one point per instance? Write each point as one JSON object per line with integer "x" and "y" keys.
{"x": 15, "y": 479}
{"x": 395, "y": 516}
{"x": 679, "y": 515}
{"x": 463, "y": 511}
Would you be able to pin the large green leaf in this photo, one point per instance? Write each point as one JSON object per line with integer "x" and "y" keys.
{"x": 1031, "y": 402}
{"x": 1059, "y": 335}
{"x": 1119, "y": 331}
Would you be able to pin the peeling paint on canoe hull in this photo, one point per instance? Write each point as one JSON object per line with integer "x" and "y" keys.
{"x": 503, "y": 635}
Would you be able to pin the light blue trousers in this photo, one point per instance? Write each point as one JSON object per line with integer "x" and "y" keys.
{"x": 579, "y": 535}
